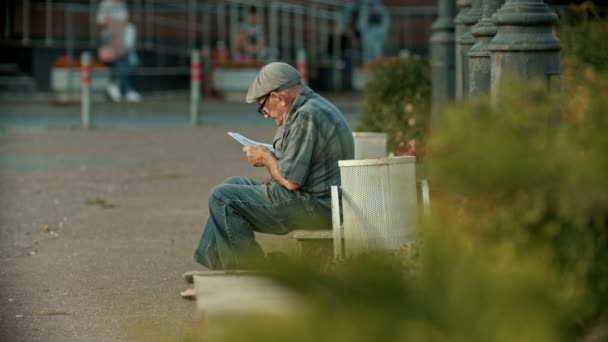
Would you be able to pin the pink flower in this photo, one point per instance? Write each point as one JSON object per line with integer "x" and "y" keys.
{"x": 411, "y": 122}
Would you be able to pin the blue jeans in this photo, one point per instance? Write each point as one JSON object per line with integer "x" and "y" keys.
{"x": 241, "y": 206}
{"x": 373, "y": 43}
{"x": 120, "y": 73}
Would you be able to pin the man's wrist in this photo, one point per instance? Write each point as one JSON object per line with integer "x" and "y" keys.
{"x": 269, "y": 159}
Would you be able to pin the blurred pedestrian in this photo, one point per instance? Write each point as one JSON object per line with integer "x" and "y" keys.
{"x": 117, "y": 49}
{"x": 372, "y": 22}
{"x": 250, "y": 40}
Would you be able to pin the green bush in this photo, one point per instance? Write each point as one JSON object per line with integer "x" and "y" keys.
{"x": 397, "y": 101}
{"x": 461, "y": 295}
{"x": 582, "y": 34}
{"x": 532, "y": 172}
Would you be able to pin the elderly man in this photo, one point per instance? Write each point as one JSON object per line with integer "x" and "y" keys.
{"x": 311, "y": 138}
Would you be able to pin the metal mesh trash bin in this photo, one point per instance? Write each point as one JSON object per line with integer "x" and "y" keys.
{"x": 379, "y": 203}
{"x": 369, "y": 145}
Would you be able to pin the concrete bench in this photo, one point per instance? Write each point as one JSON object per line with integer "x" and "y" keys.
{"x": 315, "y": 245}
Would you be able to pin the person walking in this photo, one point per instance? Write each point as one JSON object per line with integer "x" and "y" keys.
{"x": 118, "y": 37}
{"x": 372, "y": 23}
{"x": 250, "y": 40}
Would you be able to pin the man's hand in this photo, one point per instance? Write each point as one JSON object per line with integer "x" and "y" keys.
{"x": 257, "y": 155}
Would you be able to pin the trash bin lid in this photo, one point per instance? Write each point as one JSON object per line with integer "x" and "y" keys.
{"x": 369, "y": 135}
{"x": 379, "y": 161}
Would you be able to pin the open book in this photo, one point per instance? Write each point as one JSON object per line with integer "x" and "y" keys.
{"x": 248, "y": 142}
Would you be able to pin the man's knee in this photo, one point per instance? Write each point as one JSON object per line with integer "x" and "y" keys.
{"x": 234, "y": 180}
{"x": 219, "y": 193}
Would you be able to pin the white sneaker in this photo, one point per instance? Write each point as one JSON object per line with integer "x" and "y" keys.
{"x": 133, "y": 96}
{"x": 113, "y": 92}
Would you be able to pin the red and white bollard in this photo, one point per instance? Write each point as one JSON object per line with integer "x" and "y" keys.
{"x": 195, "y": 87}
{"x": 301, "y": 65}
{"x": 85, "y": 79}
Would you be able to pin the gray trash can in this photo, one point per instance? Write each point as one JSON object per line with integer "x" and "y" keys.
{"x": 379, "y": 203}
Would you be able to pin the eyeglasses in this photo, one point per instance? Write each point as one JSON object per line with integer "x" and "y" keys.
{"x": 261, "y": 109}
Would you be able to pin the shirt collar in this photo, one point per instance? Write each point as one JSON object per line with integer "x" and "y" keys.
{"x": 300, "y": 100}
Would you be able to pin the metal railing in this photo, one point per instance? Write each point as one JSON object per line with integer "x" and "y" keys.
{"x": 176, "y": 27}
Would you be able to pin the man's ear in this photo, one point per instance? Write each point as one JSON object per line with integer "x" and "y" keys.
{"x": 282, "y": 99}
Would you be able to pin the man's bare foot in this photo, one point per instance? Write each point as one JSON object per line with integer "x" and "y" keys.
{"x": 189, "y": 294}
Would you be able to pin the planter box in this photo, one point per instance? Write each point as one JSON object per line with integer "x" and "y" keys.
{"x": 233, "y": 84}
{"x": 66, "y": 84}
{"x": 360, "y": 77}
{"x": 370, "y": 145}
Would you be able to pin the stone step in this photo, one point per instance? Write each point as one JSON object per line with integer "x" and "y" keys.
{"x": 238, "y": 294}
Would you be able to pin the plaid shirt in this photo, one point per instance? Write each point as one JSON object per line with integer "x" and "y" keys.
{"x": 310, "y": 143}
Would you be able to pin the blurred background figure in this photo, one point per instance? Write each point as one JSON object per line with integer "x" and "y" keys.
{"x": 250, "y": 40}
{"x": 118, "y": 37}
{"x": 350, "y": 35}
{"x": 371, "y": 21}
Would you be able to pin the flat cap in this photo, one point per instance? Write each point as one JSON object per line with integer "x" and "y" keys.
{"x": 272, "y": 77}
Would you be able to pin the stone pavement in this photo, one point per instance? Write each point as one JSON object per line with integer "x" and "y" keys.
{"x": 160, "y": 111}
{"x": 96, "y": 227}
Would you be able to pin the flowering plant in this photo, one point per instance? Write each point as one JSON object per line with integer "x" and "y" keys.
{"x": 67, "y": 62}
{"x": 397, "y": 101}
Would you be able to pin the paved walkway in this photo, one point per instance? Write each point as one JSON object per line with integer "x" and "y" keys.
{"x": 154, "y": 112}
{"x": 96, "y": 227}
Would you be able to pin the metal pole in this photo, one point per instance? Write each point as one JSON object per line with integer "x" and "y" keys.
{"x": 85, "y": 71}
{"x": 467, "y": 42}
{"x": 191, "y": 24}
{"x": 479, "y": 55}
{"x": 338, "y": 64}
{"x": 299, "y": 22}
{"x": 442, "y": 56}
{"x": 26, "y": 22}
{"x": 260, "y": 11}
{"x": 301, "y": 65}
{"x": 465, "y": 7}
{"x": 325, "y": 40}
{"x": 312, "y": 34}
{"x": 221, "y": 30}
{"x": 149, "y": 23}
{"x": 69, "y": 41}
{"x": 7, "y": 20}
{"x": 426, "y": 198}
{"x": 273, "y": 25}
{"x": 92, "y": 24}
{"x": 207, "y": 25}
{"x": 49, "y": 22}
{"x": 233, "y": 17}
{"x": 195, "y": 87}
{"x": 285, "y": 46}
{"x": 336, "y": 224}
{"x": 524, "y": 45}
{"x": 206, "y": 54}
